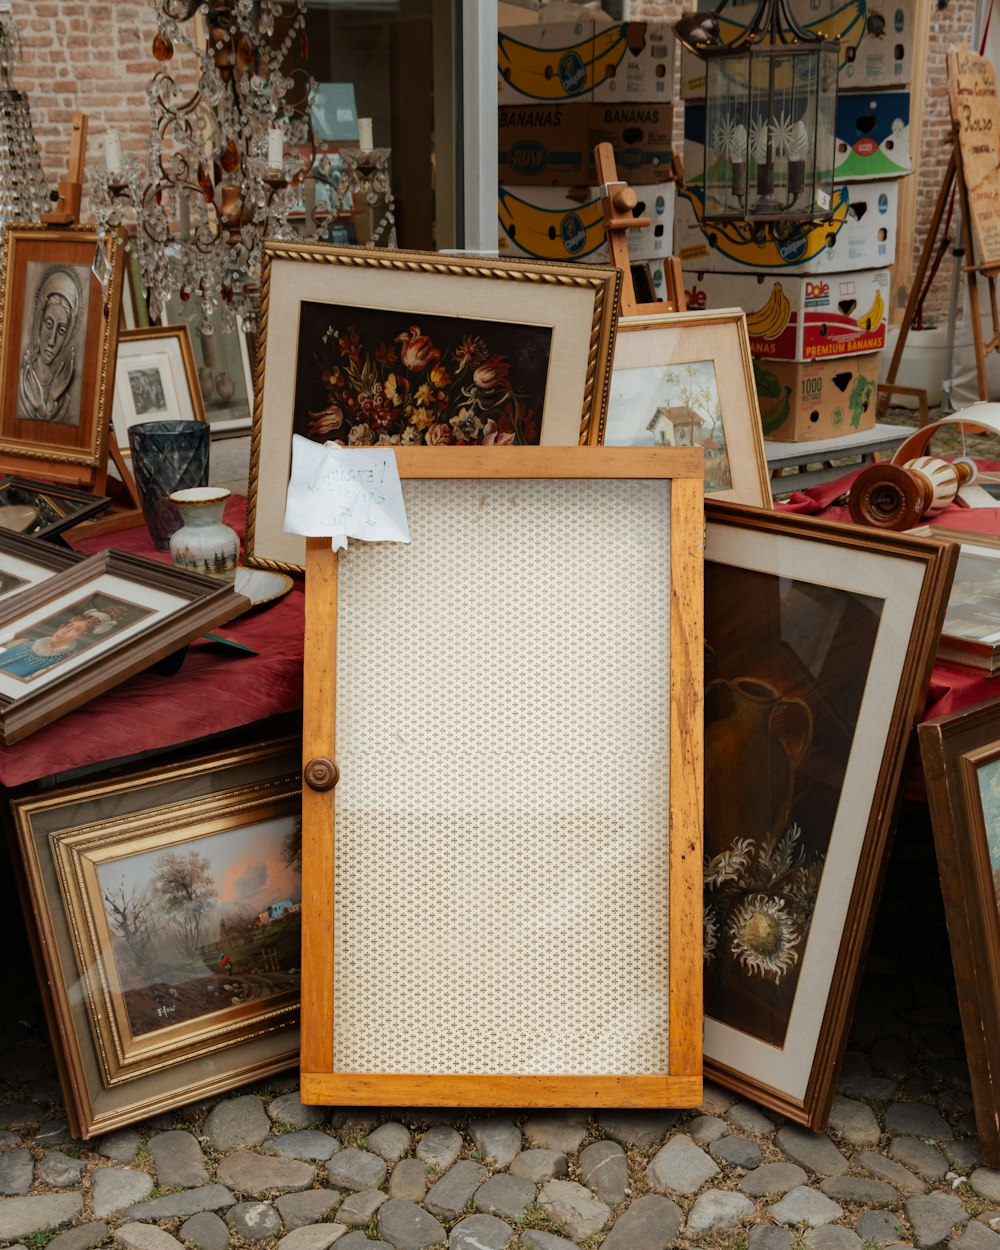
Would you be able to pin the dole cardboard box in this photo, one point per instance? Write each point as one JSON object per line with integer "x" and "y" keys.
{"x": 643, "y": 73}
{"x": 876, "y": 40}
{"x": 641, "y": 135}
{"x": 544, "y": 145}
{"x": 801, "y": 318}
{"x": 873, "y": 135}
{"x": 815, "y": 399}
{"x": 860, "y": 235}
{"x": 561, "y": 223}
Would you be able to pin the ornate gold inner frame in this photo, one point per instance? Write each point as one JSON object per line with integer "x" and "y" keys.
{"x": 575, "y": 304}
{"x": 513, "y": 701}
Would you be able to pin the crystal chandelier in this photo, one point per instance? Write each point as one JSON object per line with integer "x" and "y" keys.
{"x": 23, "y": 189}
{"x": 770, "y": 120}
{"x": 226, "y": 157}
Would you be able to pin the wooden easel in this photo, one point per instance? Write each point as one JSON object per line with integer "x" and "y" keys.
{"x": 65, "y": 214}
{"x": 618, "y": 202}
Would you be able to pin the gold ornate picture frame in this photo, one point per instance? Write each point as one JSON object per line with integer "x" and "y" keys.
{"x": 58, "y": 340}
{"x": 368, "y": 346}
{"x": 187, "y": 817}
{"x": 512, "y": 705}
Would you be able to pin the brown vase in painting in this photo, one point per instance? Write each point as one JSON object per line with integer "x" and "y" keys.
{"x": 755, "y": 738}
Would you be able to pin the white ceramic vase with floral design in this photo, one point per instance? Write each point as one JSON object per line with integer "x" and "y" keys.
{"x": 204, "y": 543}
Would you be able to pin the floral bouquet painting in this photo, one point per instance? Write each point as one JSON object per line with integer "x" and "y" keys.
{"x": 373, "y": 377}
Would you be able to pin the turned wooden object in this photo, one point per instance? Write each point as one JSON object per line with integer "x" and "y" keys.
{"x": 896, "y": 496}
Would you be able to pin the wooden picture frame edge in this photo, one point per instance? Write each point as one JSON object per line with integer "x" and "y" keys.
{"x": 952, "y": 747}
{"x": 939, "y": 559}
{"x": 683, "y": 1085}
{"x": 605, "y": 281}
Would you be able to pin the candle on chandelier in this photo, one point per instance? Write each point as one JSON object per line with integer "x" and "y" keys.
{"x": 112, "y": 151}
{"x": 365, "y": 138}
{"x": 275, "y": 148}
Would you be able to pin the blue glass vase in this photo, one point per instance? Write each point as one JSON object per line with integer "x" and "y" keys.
{"x": 167, "y": 456}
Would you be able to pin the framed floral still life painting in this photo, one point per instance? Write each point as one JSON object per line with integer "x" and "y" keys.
{"x": 155, "y": 379}
{"x": 58, "y": 335}
{"x": 820, "y": 640}
{"x": 686, "y": 380}
{"x": 166, "y": 912}
{"x": 366, "y": 347}
{"x": 961, "y": 760}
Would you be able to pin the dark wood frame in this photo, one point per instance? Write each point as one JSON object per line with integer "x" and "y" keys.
{"x": 92, "y": 1106}
{"x": 76, "y": 455}
{"x": 84, "y": 504}
{"x": 204, "y": 604}
{"x": 907, "y": 687}
{"x": 36, "y": 551}
{"x": 680, "y": 1085}
{"x": 953, "y": 748}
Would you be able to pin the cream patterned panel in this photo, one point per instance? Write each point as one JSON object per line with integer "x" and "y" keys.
{"x": 501, "y": 819}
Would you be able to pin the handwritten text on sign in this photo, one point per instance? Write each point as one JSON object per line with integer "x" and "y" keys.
{"x": 972, "y": 92}
{"x": 345, "y": 493}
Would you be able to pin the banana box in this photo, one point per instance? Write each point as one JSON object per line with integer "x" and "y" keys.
{"x": 860, "y": 235}
{"x": 873, "y": 135}
{"x": 814, "y": 399}
{"x": 641, "y": 135}
{"x": 801, "y": 318}
{"x": 645, "y": 72}
{"x": 544, "y": 145}
{"x": 876, "y": 39}
{"x": 546, "y": 63}
{"x": 561, "y": 223}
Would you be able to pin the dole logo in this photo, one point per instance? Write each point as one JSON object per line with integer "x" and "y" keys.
{"x": 572, "y": 73}
{"x": 573, "y": 234}
{"x": 865, "y": 146}
{"x": 817, "y": 290}
{"x": 696, "y": 298}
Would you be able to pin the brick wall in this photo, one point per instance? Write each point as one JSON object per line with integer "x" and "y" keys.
{"x": 95, "y": 55}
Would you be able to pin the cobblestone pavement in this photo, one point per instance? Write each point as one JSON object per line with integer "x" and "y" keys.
{"x": 899, "y": 1165}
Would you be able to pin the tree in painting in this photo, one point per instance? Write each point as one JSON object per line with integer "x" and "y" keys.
{"x": 186, "y": 889}
{"x": 130, "y": 912}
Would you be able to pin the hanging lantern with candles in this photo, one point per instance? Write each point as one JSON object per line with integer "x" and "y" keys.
{"x": 770, "y": 116}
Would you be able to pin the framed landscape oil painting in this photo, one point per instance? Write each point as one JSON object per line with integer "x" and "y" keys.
{"x": 166, "y": 918}
{"x": 686, "y": 380}
{"x": 820, "y": 641}
{"x": 370, "y": 347}
{"x": 961, "y": 758}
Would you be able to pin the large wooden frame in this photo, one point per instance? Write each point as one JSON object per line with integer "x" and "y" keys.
{"x": 134, "y": 612}
{"x": 695, "y": 367}
{"x": 961, "y": 758}
{"x": 131, "y": 811}
{"x": 443, "y": 347}
{"x": 820, "y": 641}
{"x": 55, "y": 400}
{"x": 608, "y": 491}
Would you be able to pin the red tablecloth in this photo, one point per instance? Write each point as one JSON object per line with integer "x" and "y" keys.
{"x": 950, "y": 688}
{"x": 211, "y": 692}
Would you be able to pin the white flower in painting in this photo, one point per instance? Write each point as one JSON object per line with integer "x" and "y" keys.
{"x": 731, "y": 864}
{"x": 711, "y": 935}
{"x": 764, "y": 936}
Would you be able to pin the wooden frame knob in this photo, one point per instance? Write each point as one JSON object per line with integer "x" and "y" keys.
{"x": 321, "y": 774}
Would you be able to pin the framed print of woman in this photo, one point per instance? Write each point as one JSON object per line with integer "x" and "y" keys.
{"x": 51, "y": 340}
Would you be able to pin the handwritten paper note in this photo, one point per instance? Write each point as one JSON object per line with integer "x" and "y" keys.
{"x": 345, "y": 492}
